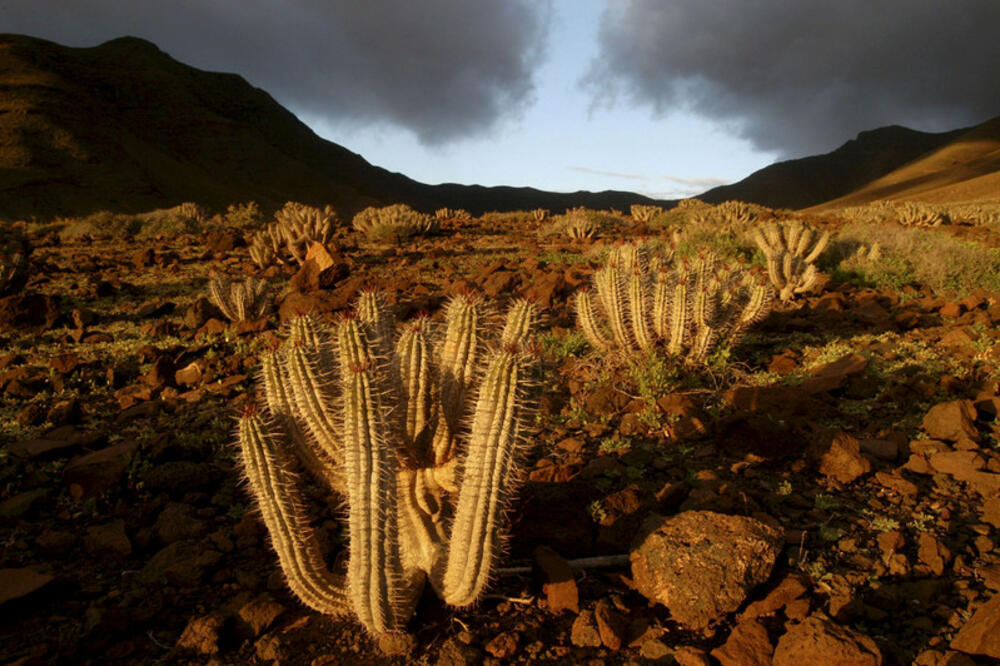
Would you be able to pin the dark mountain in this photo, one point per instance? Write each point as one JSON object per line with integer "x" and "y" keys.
{"x": 808, "y": 181}
{"x": 125, "y": 127}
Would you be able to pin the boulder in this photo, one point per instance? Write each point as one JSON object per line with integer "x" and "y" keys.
{"x": 702, "y": 565}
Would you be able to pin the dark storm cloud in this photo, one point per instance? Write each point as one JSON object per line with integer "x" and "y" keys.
{"x": 802, "y": 76}
{"x": 445, "y": 69}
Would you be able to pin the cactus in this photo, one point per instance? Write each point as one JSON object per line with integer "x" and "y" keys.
{"x": 398, "y": 220}
{"x": 785, "y": 246}
{"x": 644, "y": 213}
{"x": 540, "y": 214}
{"x": 239, "y": 301}
{"x": 385, "y": 420}
{"x": 919, "y": 214}
{"x": 295, "y": 227}
{"x": 579, "y": 227}
{"x": 14, "y": 251}
{"x": 452, "y": 214}
{"x": 685, "y": 309}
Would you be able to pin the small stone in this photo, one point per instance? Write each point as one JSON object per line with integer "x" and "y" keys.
{"x": 933, "y": 553}
{"x": 897, "y": 483}
{"x": 503, "y": 645}
{"x": 788, "y": 590}
{"x": 952, "y": 421}
{"x": 558, "y": 583}
{"x": 610, "y": 625}
{"x": 19, "y": 505}
{"x": 819, "y": 641}
{"x": 747, "y": 645}
{"x": 584, "y": 632}
{"x": 990, "y": 512}
{"x": 843, "y": 460}
{"x": 17, "y": 583}
{"x": 202, "y": 634}
{"x": 691, "y": 656}
{"x": 108, "y": 541}
{"x": 258, "y": 614}
{"x": 654, "y": 649}
{"x": 890, "y": 543}
{"x": 94, "y": 473}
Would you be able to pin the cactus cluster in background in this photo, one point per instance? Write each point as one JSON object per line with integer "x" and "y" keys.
{"x": 791, "y": 254}
{"x": 644, "y": 213}
{"x": 14, "y": 251}
{"x": 295, "y": 227}
{"x": 239, "y": 301}
{"x": 919, "y": 214}
{"x": 452, "y": 214}
{"x": 421, "y": 432}
{"x": 685, "y": 306}
{"x": 540, "y": 214}
{"x": 397, "y": 220}
{"x": 728, "y": 215}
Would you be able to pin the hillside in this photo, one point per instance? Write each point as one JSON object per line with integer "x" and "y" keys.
{"x": 808, "y": 181}
{"x": 964, "y": 169}
{"x": 123, "y": 126}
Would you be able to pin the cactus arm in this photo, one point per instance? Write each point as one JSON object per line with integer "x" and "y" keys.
{"x": 639, "y": 310}
{"x": 219, "y": 294}
{"x": 489, "y": 468}
{"x": 521, "y": 321}
{"x": 610, "y": 290}
{"x": 313, "y": 393}
{"x": 413, "y": 367}
{"x": 679, "y": 318}
{"x": 456, "y": 362}
{"x": 275, "y": 487}
{"x": 661, "y": 304}
{"x": 821, "y": 244}
{"x": 376, "y": 582}
{"x": 587, "y": 320}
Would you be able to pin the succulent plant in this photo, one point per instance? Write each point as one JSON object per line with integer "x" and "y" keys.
{"x": 919, "y": 214}
{"x": 295, "y": 228}
{"x": 644, "y": 213}
{"x": 239, "y": 301}
{"x": 785, "y": 246}
{"x": 452, "y": 214}
{"x": 420, "y": 433}
{"x": 685, "y": 307}
{"x": 14, "y": 251}
{"x": 397, "y": 220}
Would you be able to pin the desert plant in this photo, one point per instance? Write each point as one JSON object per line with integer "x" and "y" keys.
{"x": 644, "y": 213}
{"x": 685, "y": 306}
{"x": 452, "y": 214}
{"x": 397, "y": 220}
{"x": 540, "y": 214}
{"x": 239, "y": 301}
{"x": 919, "y": 214}
{"x": 243, "y": 216}
{"x": 785, "y": 247}
{"x": 14, "y": 251}
{"x": 295, "y": 228}
{"x": 301, "y": 226}
{"x": 386, "y": 420}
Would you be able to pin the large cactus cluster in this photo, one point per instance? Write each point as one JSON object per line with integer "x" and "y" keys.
{"x": 791, "y": 250}
{"x": 920, "y": 214}
{"x": 288, "y": 237}
{"x": 14, "y": 251}
{"x": 420, "y": 432}
{"x": 685, "y": 306}
{"x": 239, "y": 301}
{"x": 398, "y": 220}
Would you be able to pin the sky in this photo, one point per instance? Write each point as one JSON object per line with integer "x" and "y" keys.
{"x": 663, "y": 97}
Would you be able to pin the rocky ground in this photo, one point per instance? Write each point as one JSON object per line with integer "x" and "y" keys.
{"x": 832, "y": 494}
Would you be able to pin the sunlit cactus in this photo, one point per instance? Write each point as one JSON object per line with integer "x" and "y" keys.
{"x": 420, "y": 432}
{"x": 791, "y": 250}
{"x": 398, "y": 221}
{"x": 14, "y": 251}
{"x": 540, "y": 214}
{"x": 685, "y": 307}
{"x": 294, "y": 229}
{"x": 643, "y": 214}
{"x": 239, "y": 301}
{"x": 452, "y": 214}
{"x": 920, "y": 214}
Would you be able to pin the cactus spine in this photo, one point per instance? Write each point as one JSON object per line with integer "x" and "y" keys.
{"x": 790, "y": 262}
{"x": 385, "y": 420}
{"x": 686, "y": 308}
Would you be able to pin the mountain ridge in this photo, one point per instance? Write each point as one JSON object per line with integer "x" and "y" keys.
{"x": 124, "y": 126}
